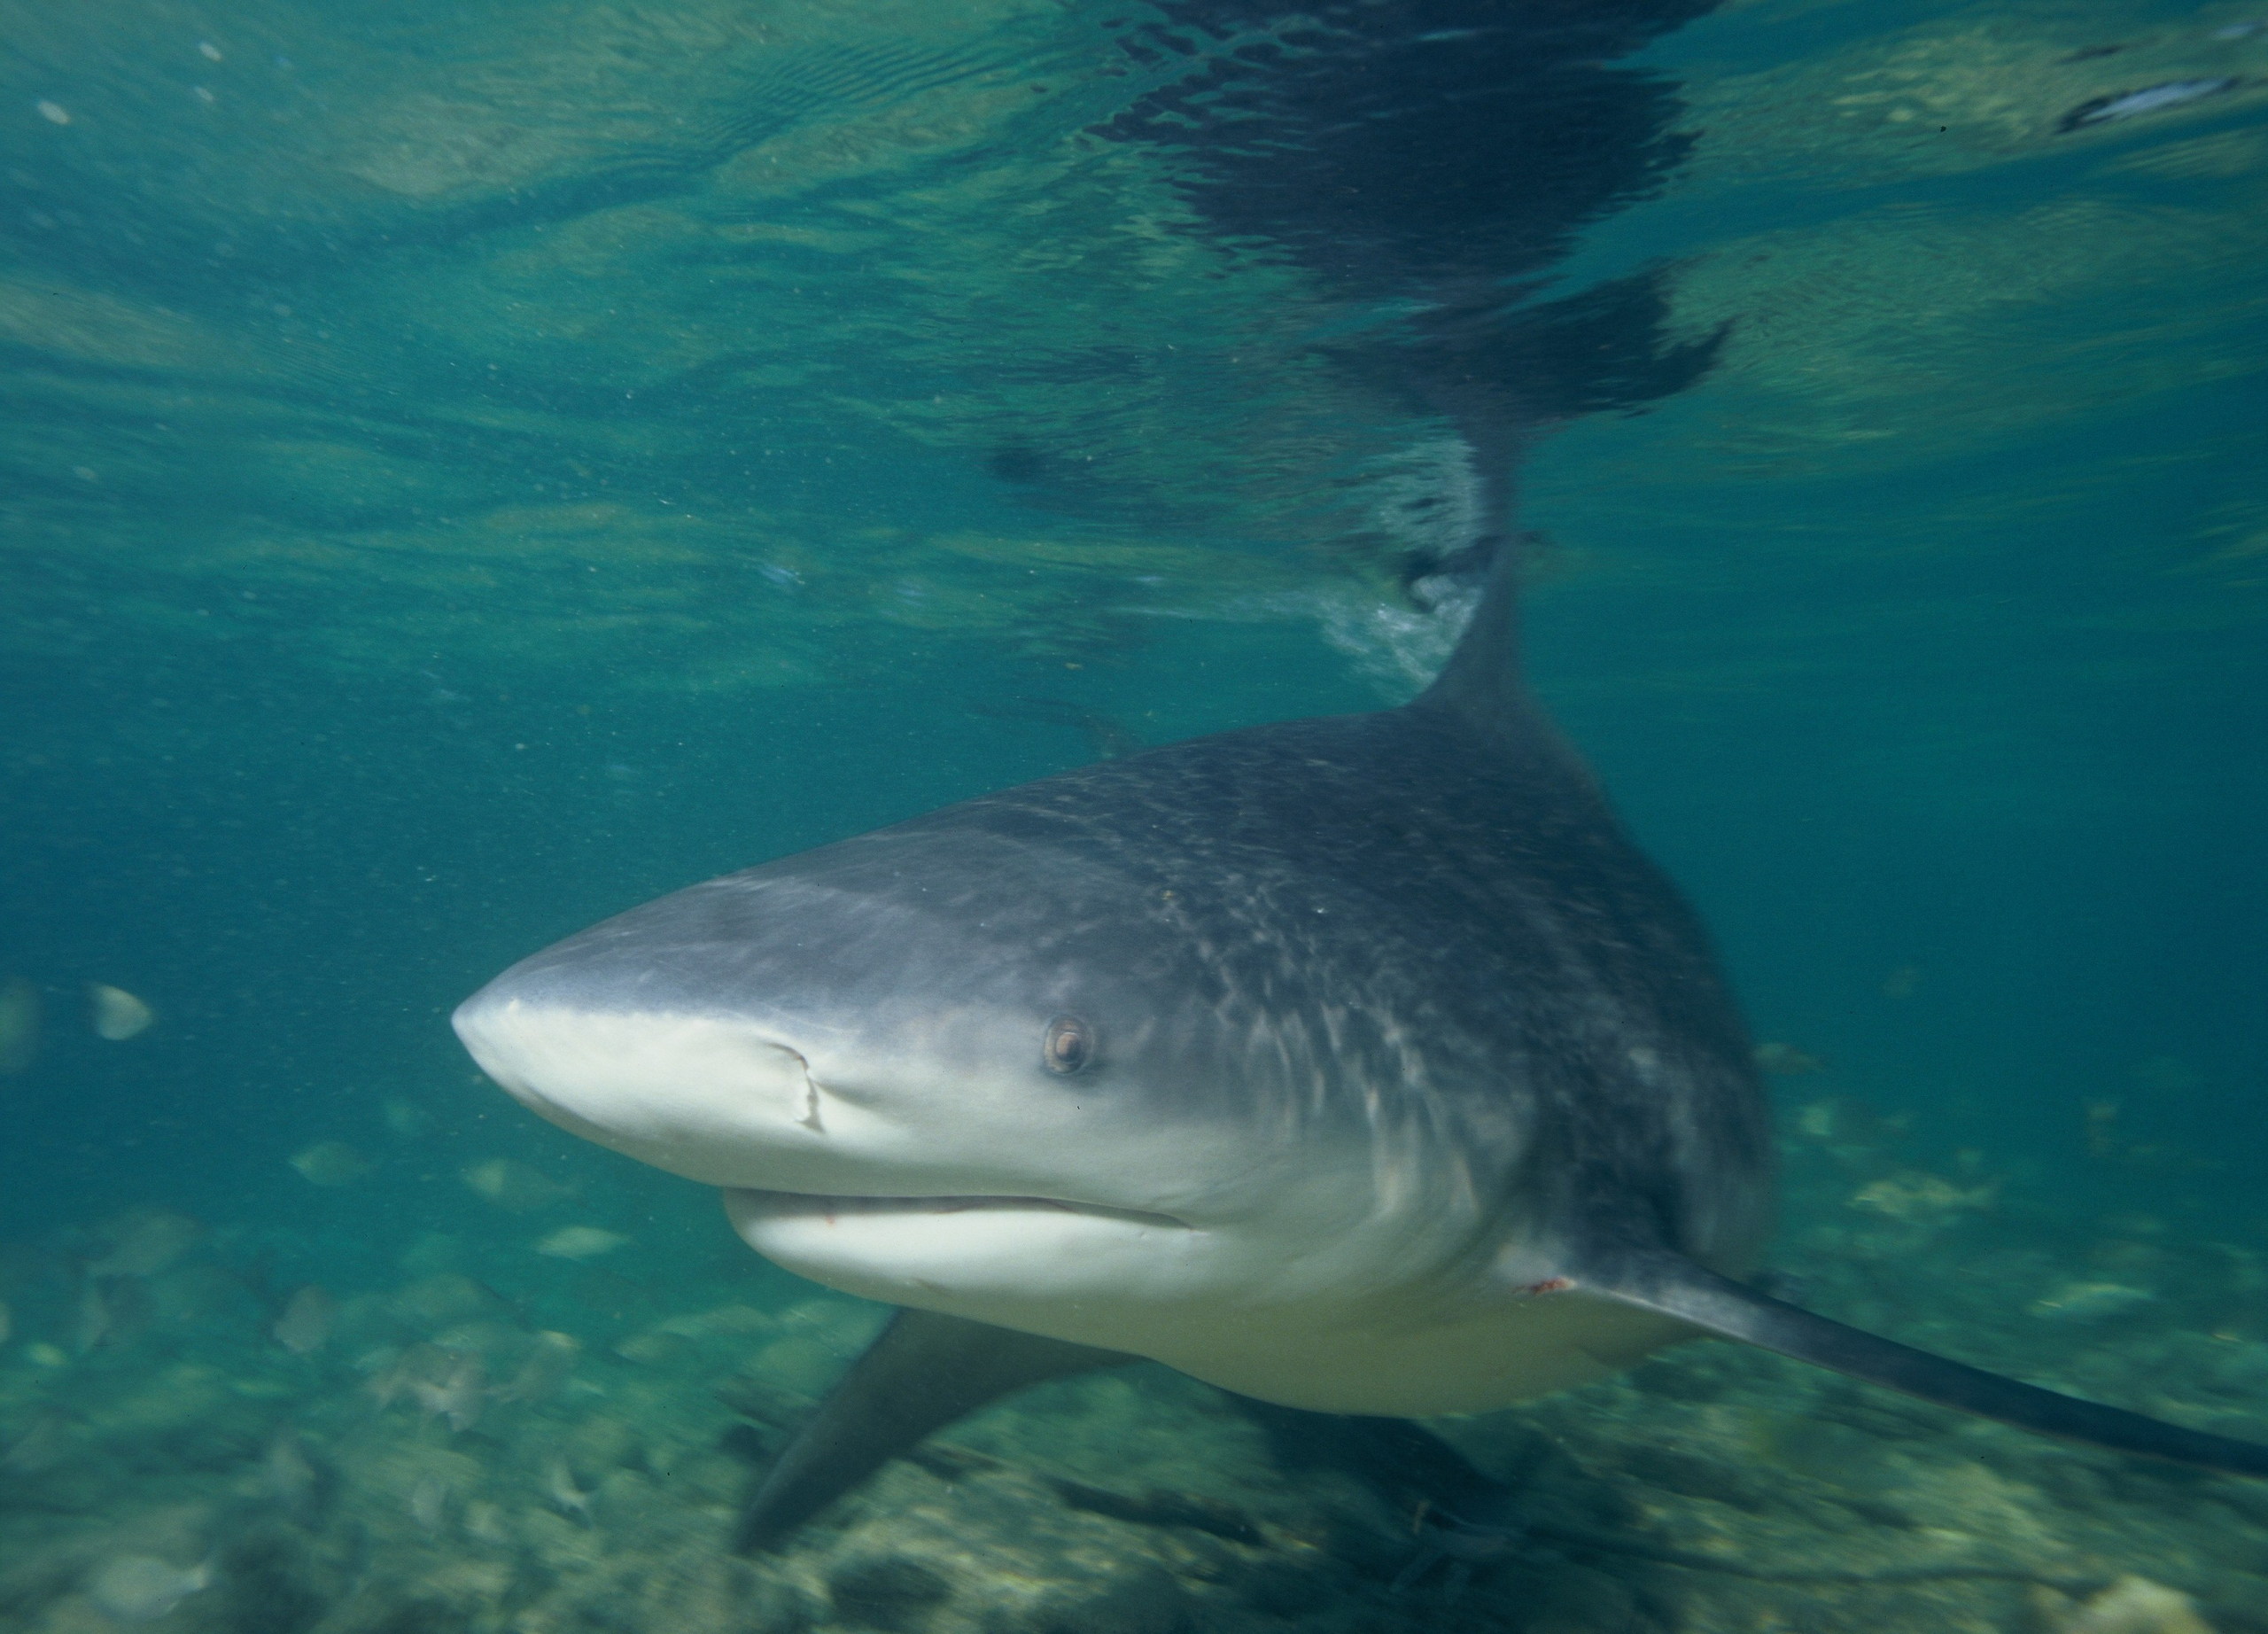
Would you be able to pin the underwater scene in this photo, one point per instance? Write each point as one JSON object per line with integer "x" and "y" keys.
{"x": 469, "y": 471}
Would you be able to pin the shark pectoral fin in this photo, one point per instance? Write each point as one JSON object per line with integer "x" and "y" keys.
{"x": 924, "y": 1372}
{"x": 1672, "y": 1286}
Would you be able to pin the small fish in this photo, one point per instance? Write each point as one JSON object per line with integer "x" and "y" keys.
{"x": 1918, "y": 1198}
{"x": 1461, "y": 1544}
{"x": 42, "y": 1447}
{"x": 389, "y": 1376}
{"x": 407, "y": 1118}
{"x": 396, "y": 1374}
{"x": 2134, "y": 103}
{"x": 117, "y": 1014}
{"x": 19, "y": 1025}
{"x": 142, "y": 1588}
{"x": 514, "y": 1185}
{"x": 291, "y": 1476}
{"x": 580, "y": 1242}
{"x": 7, "y": 1322}
{"x": 1902, "y": 982}
{"x": 428, "y": 1502}
{"x": 1786, "y": 1061}
{"x": 330, "y": 1163}
{"x": 91, "y": 1320}
{"x": 142, "y": 1244}
{"x": 2089, "y": 1301}
{"x": 566, "y": 1496}
{"x": 116, "y": 1313}
{"x": 459, "y": 1397}
{"x": 547, "y": 1368}
{"x": 305, "y": 1326}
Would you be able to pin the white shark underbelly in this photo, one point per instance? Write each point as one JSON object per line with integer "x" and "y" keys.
{"x": 1014, "y": 1264}
{"x": 1548, "y": 1343}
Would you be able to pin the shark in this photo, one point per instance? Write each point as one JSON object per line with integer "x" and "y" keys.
{"x": 1360, "y": 1065}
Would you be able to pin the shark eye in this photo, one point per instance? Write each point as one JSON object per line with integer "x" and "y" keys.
{"x": 1069, "y": 1046}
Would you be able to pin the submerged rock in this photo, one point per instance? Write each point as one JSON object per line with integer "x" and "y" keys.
{"x": 142, "y": 1588}
{"x": 886, "y": 1591}
{"x": 144, "y": 1242}
{"x": 566, "y": 1496}
{"x": 1145, "y": 1600}
{"x": 431, "y": 1301}
{"x": 543, "y": 1370}
{"x": 458, "y": 1396}
{"x": 2131, "y": 1606}
{"x": 801, "y": 1363}
{"x": 291, "y": 1477}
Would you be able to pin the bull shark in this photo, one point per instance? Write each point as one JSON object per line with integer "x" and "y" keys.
{"x": 1359, "y": 1064}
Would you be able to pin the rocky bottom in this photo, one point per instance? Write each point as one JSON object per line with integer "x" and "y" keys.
{"x": 560, "y": 1442}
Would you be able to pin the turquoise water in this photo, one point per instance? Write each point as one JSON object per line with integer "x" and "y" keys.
{"x": 469, "y": 470}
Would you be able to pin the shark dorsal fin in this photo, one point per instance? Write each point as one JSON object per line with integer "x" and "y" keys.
{"x": 1482, "y": 680}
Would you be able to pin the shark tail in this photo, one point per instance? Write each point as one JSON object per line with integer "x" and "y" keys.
{"x": 1671, "y": 1285}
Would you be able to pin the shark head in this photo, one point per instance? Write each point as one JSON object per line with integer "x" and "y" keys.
{"x": 991, "y": 1063}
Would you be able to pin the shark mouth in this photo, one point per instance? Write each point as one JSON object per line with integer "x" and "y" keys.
{"x": 826, "y": 1209}
{"x": 976, "y": 1255}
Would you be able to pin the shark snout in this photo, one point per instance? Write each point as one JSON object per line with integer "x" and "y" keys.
{"x": 707, "y": 1096}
